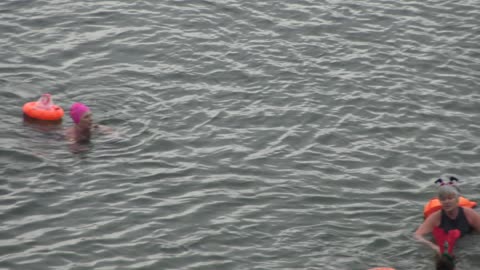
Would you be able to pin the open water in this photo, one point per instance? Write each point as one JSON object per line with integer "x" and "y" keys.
{"x": 248, "y": 134}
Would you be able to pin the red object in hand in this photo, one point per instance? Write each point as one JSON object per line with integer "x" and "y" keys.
{"x": 450, "y": 238}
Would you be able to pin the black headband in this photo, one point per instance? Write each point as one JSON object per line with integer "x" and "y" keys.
{"x": 452, "y": 181}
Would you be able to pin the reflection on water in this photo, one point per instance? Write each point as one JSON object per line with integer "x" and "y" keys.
{"x": 42, "y": 125}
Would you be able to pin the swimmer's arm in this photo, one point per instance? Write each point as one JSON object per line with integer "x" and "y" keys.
{"x": 473, "y": 218}
{"x": 427, "y": 227}
{"x": 69, "y": 134}
{"x": 103, "y": 129}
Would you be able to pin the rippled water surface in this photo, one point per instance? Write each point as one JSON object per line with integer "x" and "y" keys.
{"x": 246, "y": 134}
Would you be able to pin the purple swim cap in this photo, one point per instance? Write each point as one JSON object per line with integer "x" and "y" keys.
{"x": 77, "y": 111}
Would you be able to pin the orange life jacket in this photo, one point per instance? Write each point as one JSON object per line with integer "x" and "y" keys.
{"x": 434, "y": 205}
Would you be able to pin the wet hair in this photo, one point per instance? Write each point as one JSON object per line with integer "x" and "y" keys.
{"x": 444, "y": 262}
{"x": 445, "y": 190}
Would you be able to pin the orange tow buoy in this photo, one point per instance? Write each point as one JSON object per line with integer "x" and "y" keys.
{"x": 43, "y": 109}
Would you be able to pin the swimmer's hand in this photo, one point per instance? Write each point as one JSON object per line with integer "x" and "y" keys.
{"x": 435, "y": 247}
{"x": 102, "y": 129}
{"x": 426, "y": 242}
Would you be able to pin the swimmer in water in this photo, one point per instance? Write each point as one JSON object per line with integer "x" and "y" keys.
{"x": 450, "y": 217}
{"x": 447, "y": 225}
{"x": 81, "y": 115}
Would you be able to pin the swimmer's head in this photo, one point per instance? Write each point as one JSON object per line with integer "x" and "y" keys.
{"x": 444, "y": 262}
{"x": 77, "y": 111}
{"x": 446, "y": 191}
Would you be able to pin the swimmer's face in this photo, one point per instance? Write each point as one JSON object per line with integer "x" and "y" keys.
{"x": 86, "y": 120}
{"x": 449, "y": 201}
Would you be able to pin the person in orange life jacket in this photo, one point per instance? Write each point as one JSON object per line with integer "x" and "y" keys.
{"x": 448, "y": 224}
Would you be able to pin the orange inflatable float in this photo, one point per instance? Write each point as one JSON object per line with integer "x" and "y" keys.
{"x": 434, "y": 205}
{"x": 43, "y": 109}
